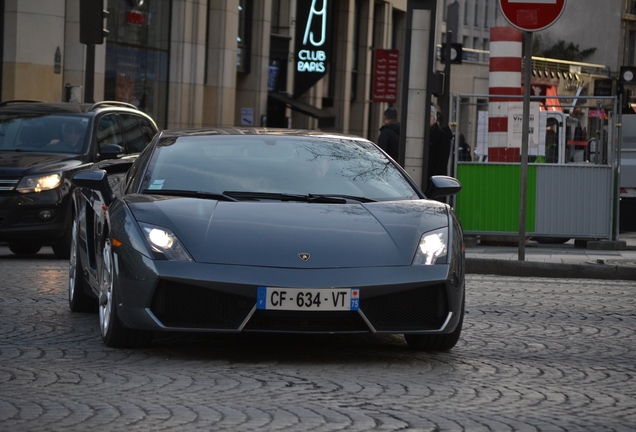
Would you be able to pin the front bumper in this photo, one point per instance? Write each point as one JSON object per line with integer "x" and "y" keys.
{"x": 172, "y": 296}
{"x": 20, "y": 218}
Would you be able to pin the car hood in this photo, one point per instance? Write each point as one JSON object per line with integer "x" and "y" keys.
{"x": 15, "y": 163}
{"x": 276, "y": 234}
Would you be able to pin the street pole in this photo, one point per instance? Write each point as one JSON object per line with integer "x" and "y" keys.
{"x": 525, "y": 131}
{"x": 89, "y": 74}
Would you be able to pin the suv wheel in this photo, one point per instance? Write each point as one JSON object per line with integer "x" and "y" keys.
{"x": 62, "y": 247}
{"x": 24, "y": 248}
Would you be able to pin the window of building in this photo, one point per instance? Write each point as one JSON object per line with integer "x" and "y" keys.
{"x": 137, "y": 54}
{"x": 631, "y": 48}
{"x": 244, "y": 36}
{"x": 465, "y": 13}
{"x": 486, "y": 10}
{"x": 356, "y": 49}
{"x": 476, "y": 14}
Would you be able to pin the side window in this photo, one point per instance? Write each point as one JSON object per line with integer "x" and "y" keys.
{"x": 149, "y": 129}
{"x": 135, "y": 133}
{"x": 109, "y": 132}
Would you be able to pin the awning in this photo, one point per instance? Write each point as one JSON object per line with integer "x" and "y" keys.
{"x": 325, "y": 118}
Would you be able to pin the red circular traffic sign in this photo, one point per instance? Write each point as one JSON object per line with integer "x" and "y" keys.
{"x": 532, "y": 15}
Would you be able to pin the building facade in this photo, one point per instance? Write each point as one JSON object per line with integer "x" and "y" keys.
{"x": 277, "y": 63}
{"x": 194, "y": 63}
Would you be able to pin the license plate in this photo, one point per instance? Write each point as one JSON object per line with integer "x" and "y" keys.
{"x": 311, "y": 299}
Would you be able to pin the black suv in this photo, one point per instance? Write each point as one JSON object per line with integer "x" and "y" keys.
{"x": 41, "y": 146}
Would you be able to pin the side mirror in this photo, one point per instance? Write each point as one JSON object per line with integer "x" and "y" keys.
{"x": 96, "y": 181}
{"x": 110, "y": 151}
{"x": 439, "y": 186}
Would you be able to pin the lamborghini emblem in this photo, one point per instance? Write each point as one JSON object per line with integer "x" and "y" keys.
{"x": 304, "y": 256}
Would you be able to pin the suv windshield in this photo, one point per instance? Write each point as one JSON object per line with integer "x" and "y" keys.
{"x": 43, "y": 133}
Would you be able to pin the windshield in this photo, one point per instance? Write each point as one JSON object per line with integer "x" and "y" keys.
{"x": 266, "y": 166}
{"x": 43, "y": 134}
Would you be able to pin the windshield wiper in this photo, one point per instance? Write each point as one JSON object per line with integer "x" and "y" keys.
{"x": 310, "y": 198}
{"x": 341, "y": 196}
{"x": 189, "y": 194}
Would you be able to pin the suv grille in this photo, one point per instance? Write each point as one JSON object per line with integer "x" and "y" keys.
{"x": 8, "y": 184}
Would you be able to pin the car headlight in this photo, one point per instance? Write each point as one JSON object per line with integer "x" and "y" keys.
{"x": 39, "y": 183}
{"x": 164, "y": 242}
{"x": 433, "y": 248}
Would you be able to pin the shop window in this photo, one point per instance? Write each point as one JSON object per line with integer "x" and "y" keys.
{"x": 137, "y": 55}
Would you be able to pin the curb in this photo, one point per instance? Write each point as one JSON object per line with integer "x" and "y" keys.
{"x": 549, "y": 270}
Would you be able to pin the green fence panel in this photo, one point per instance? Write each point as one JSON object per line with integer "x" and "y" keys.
{"x": 490, "y": 196}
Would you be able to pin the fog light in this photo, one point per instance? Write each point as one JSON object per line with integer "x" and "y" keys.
{"x": 46, "y": 215}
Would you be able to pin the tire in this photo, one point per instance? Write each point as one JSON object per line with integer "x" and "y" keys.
{"x": 436, "y": 342}
{"x": 114, "y": 333}
{"x": 62, "y": 247}
{"x": 25, "y": 248}
{"x": 78, "y": 299}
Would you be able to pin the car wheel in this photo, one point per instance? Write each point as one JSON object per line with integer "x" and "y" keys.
{"x": 78, "y": 299}
{"x": 436, "y": 342}
{"x": 114, "y": 333}
{"x": 62, "y": 247}
{"x": 24, "y": 248}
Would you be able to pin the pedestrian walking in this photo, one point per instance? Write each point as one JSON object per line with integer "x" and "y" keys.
{"x": 440, "y": 143}
{"x": 389, "y": 139}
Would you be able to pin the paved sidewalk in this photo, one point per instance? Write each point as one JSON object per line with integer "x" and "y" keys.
{"x": 599, "y": 260}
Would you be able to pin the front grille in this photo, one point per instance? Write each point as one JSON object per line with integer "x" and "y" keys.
{"x": 187, "y": 306}
{"x": 179, "y": 305}
{"x": 319, "y": 322}
{"x": 8, "y": 184}
{"x": 420, "y": 308}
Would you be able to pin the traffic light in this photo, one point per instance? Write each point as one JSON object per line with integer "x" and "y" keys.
{"x": 92, "y": 15}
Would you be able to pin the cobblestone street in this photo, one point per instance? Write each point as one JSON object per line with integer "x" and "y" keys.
{"x": 536, "y": 354}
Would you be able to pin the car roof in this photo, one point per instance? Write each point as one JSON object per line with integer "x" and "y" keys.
{"x": 210, "y": 131}
{"x": 40, "y": 107}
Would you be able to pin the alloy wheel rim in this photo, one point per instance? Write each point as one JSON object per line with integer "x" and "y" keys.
{"x": 106, "y": 295}
{"x": 72, "y": 263}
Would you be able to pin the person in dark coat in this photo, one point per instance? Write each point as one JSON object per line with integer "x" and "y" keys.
{"x": 389, "y": 139}
{"x": 464, "y": 150}
{"x": 440, "y": 144}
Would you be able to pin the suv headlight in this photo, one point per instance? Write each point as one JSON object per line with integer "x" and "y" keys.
{"x": 163, "y": 241}
{"x": 433, "y": 248}
{"x": 39, "y": 183}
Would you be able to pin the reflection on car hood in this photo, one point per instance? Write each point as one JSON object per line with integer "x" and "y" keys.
{"x": 23, "y": 163}
{"x": 273, "y": 234}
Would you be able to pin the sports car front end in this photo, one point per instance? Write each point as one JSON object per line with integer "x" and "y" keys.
{"x": 290, "y": 267}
